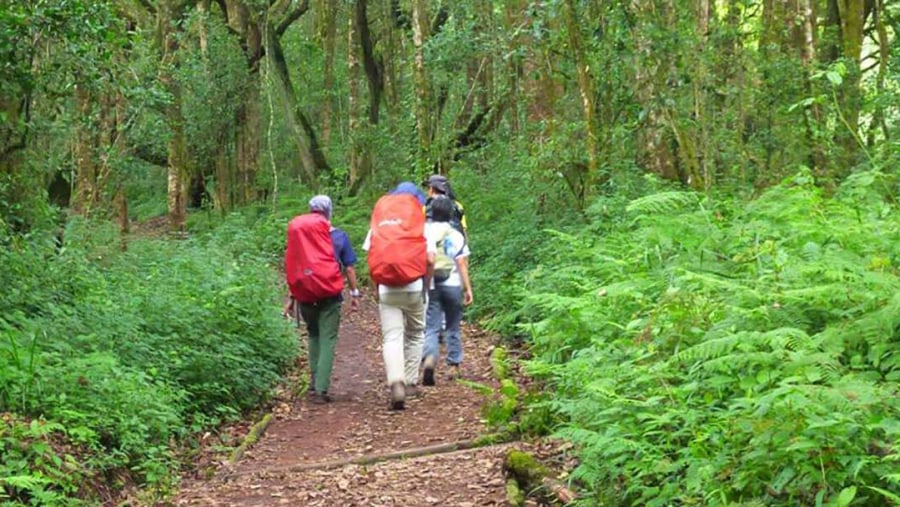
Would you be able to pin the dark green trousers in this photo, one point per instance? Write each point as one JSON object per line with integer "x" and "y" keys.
{"x": 322, "y": 322}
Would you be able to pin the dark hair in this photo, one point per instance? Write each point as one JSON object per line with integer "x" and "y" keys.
{"x": 442, "y": 208}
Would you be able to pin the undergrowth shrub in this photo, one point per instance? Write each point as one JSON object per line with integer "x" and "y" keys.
{"x": 712, "y": 352}
{"x": 123, "y": 353}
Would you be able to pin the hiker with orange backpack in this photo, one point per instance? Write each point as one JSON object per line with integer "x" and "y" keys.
{"x": 401, "y": 262}
{"x": 315, "y": 254}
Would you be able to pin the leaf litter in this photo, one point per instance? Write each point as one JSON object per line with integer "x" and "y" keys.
{"x": 358, "y": 423}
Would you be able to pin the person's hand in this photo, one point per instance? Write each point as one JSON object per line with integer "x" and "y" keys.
{"x": 354, "y": 303}
{"x": 467, "y": 298}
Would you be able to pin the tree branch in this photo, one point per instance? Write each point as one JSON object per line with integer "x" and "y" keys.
{"x": 292, "y": 16}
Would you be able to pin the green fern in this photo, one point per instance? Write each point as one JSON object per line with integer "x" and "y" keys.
{"x": 662, "y": 203}
{"x": 749, "y": 354}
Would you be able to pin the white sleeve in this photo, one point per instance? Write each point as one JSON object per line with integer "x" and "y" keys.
{"x": 430, "y": 239}
{"x": 368, "y": 242}
{"x": 460, "y": 244}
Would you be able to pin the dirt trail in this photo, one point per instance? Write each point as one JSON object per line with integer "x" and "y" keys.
{"x": 286, "y": 466}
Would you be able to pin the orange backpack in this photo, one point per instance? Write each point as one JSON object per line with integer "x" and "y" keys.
{"x": 397, "y": 249}
{"x": 311, "y": 269}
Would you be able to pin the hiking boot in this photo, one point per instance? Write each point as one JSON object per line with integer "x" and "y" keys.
{"x": 412, "y": 391}
{"x": 428, "y": 374}
{"x": 454, "y": 372}
{"x": 398, "y": 396}
{"x": 320, "y": 398}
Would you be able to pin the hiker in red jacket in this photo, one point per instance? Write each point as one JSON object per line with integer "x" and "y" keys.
{"x": 315, "y": 255}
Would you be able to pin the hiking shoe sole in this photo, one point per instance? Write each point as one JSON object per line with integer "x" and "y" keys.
{"x": 398, "y": 396}
{"x": 320, "y": 399}
{"x": 428, "y": 374}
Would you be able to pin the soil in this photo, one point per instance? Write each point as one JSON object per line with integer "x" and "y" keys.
{"x": 293, "y": 462}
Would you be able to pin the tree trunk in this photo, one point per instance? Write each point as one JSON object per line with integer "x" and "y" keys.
{"x": 224, "y": 168}
{"x": 83, "y": 198}
{"x": 374, "y": 71}
{"x": 311, "y": 162}
{"x": 878, "y": 117}
{"x": 586, "y": 90}
{"x": 852, "y": 17}
{"x": 701, "y": 82}
{"x": 203, "y": 11}
{"x": 392, "y": 44}
{"x": 806, "y": 42}
{"x": 357, "y": 155}
{"x": 177, "y": 152}
{"x": 328, "y": 27}
{"x": 486, "y": 79}
{"x": 655, "y": 152}
{"x": 247, "y": 143}
{"x": 513, "y": 64}
{"x": 178, "y": 174}
{"x": 420, "y": 78}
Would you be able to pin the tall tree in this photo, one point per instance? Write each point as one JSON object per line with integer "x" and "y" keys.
{"x": 168, "y": 14}
{"x": 358, "y": 153}
{"x": 280, "y": 16}
{"x": 246, "y": 23}
{"x": 853, "y": 14}
{"x": 586, "y": 90}
{"x": 373, "y": 67}
{"x": 422, "y": 86}
{"x": 328, "y": 33}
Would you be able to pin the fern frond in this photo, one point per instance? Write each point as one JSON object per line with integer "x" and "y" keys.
{"x": 662, "y": 203}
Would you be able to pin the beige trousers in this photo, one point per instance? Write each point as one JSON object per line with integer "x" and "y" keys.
{"x": 403, "y": 329}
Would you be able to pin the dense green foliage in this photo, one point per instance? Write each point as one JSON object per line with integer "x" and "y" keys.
{"x": 706, "y": 351}
{"x": 708, "y": 331}
{"x": 123, "y": 353}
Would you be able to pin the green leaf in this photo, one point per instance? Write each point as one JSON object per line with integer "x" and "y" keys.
{"x": 846, "y": 496}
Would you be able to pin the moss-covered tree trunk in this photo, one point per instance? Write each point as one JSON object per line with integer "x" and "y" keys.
{"x": 586, "y": 92}
{"x": 357, "y": 153}
{"x": 85, "y": 193}
{"x": 312, "y": 161}
{"x": 422, "y": 85}
{"x": 852, "y": 24}
{"x": 328, "y": 35}
{"x": 248, "y": 142}
{"x": 372, "y": 65}
{"x": 513, "y": 62}
{"x": 168, "y": 12}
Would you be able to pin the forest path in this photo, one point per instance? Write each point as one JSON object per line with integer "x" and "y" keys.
{"x": 294, "y": 462}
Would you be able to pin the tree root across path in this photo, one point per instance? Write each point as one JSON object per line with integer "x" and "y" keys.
{"x": 369, "y": 459}
{"x": 354, "y": 451}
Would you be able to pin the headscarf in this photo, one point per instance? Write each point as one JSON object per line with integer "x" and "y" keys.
{"x": 321, "y": 204}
